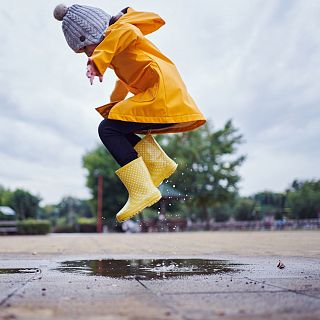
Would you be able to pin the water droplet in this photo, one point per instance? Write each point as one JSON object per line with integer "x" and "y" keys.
{"x": 174, "y": 186}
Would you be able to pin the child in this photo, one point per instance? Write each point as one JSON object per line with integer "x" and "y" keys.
{"x": 160, "y": 101}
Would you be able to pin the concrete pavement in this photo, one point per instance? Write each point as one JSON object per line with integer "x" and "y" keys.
{"x": 256, "y": 289}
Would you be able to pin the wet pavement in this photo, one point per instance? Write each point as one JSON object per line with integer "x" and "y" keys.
{"x": 234, "y": 288}
{"x": 146, "y": 269}
{"x": 157, "y": 286}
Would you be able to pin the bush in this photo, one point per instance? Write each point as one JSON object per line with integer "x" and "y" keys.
{"x": 222, "y": 212}
{"x": 245, "y": 210}
{"x": 62, "y": 226}
{"x": 87, "y": 224}
{"x": 32, "y": 226}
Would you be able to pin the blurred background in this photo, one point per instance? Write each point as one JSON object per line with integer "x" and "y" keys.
{"x": 252, "y": 68}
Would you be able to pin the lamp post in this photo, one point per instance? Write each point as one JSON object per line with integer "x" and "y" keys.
{"x": 99, "y": 200}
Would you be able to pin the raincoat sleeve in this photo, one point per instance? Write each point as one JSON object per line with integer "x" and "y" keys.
{"x": 116, "y": 40}
{"x": 147, "y": 22}
{"x": 120, "y": 91}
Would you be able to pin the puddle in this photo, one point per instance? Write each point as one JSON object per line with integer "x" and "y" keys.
{"x": 18, "y": 270}
{"x": 147, "y": 269}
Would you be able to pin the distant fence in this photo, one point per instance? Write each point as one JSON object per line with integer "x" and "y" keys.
{"x": 267, "y": 225}
{"x": 168, "y": 225}
{"x": 173, "y": 225}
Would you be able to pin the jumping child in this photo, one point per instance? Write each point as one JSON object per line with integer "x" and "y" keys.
{"x": 160, "y": 102}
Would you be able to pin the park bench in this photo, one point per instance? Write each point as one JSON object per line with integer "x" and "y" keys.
{"x": 8, "y": 227}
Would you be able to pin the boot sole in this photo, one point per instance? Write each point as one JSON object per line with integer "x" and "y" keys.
{"x": 148, "y": 203}
{"x": 168, "y": 174}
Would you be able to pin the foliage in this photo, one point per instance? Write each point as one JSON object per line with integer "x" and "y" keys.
{"x": 270, "y": 203}
{"x": 72, "y": 208}
{"x": 70, "y": 204}
{"x": 100, "y": 162}
{"x": 303, "y": 199}
{"x": 49, "y": 212}
{"x": 207, "y": 171}
{"x": 25, "y": 204}
{"x": 87, "y": 224}
{"x": 208, "y": 165}
{"x": 244, "y": 210}
{"x": 4, "y": 196}
{"x": 222, "y": 212}
{"x": 32, "y": 226}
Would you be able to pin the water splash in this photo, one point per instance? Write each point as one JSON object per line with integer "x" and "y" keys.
{"x": 146, "y": 269}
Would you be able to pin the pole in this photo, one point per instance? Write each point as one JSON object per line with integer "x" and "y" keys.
{"x": 99, "y": 205}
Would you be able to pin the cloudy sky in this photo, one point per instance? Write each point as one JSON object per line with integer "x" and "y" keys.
{"x": 254, "y": 61}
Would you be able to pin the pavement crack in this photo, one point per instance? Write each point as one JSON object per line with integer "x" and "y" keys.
{"x": 221, "y": 292}
{"x": 286, "y": 289}
{"x": 36, "y": 273}
{"x": 161, "y": 297}
{"x": 142, "y": 284}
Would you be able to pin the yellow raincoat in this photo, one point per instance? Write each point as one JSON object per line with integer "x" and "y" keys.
{"x": 159, "y": 94}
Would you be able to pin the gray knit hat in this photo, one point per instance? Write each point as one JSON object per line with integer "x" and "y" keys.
{"x": 82, "y": 25}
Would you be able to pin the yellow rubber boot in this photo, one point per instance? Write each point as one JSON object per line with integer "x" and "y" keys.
{"x": 142, "y": 192}
{"x": 158, "y": 163}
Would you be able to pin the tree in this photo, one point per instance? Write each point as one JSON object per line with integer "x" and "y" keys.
{"x": 49, "y": 212}
{"x": 244, "y": 210}
{"x": 71, "y": 208}
{"x": 208, "y": 165}
{"x": 100, "y": 162}
{"x": 223, "y": 212}
{"x": 5, "y": 195}
{"x": 25, "y": 204}
{"x": 207, "y": 170}
{"x": 303, "y": 199}
{"x": 270, "y": 203}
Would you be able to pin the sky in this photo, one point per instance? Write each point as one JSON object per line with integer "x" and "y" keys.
{"x": 253, "y": 61}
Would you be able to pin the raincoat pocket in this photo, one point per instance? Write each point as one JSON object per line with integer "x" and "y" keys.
{"x": 149, "y": 95}
{"x": 149, "y": 81}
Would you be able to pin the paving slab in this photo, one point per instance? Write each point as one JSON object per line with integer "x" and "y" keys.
{"x": 254, "y": 289}
{"x": 241, "y": 243}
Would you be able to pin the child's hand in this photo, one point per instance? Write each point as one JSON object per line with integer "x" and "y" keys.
{"x": 92, "y": 71}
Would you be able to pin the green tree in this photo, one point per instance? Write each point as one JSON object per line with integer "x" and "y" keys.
{"x": 303, "y": 199}
{"x": 49, "y": 212}
{"x": 223, "y": 212}
{"x": 79, "y": 206}
{"x": 25, "y": 204}
{"x": 73, "y": 208}
{"x": 5, "y": 195}
{"x": 100, "y": 162}
{"x": 207, "y": 172}
{"x": 208, "y": 165}
{"x": 270, "y": 203}
{"x": 244, "y": 210}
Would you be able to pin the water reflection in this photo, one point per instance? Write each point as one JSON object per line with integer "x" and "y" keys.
{"x": 18, "y": 270}
{"x": 147, "y": 269}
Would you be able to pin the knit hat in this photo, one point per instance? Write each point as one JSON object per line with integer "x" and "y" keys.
{"x": 82, "y": 25}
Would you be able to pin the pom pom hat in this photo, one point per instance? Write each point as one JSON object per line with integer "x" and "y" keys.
{"x": 82, "y": 25}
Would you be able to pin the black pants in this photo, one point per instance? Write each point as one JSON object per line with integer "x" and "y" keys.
{"x": 119, "y": 139}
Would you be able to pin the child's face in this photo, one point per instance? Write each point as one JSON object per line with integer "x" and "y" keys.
{"x": 88, "y": 50}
